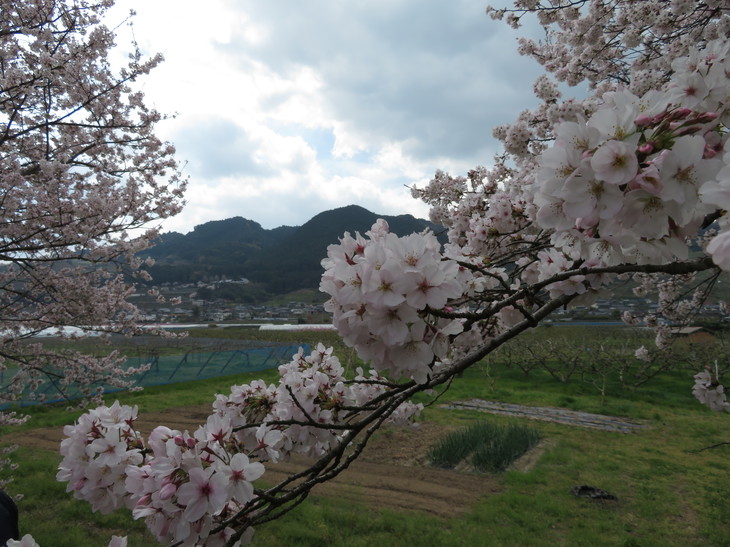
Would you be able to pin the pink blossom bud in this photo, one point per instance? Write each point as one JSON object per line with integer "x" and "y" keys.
{"x": 190, "y": 442}
{"x": 585, "y": 223}
{"x": 680, "y": 113}
{"x": 646, "y": 148}
{"x": 643, "y": 121}
{"x": 648, "y": 179}
{"x": 179, "y": 441}
{"x": 690, "y": 130}
{"x": 707, "y": 117}
{"x": 167, "y": 491}
{"x": 144, "y": 500}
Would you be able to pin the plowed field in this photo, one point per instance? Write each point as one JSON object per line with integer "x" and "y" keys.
{"x": 391, "y": 473}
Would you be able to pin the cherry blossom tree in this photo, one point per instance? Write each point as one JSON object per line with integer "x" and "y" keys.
{"x": 631, "y": 181}
{"x": 83, "y": 182}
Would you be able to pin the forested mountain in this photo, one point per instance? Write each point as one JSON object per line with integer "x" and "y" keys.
{"x": 220, "y": 248}
{"x": 282, "y": 260}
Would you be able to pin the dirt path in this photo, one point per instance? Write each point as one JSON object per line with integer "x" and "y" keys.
{"x": 549, "y": 414}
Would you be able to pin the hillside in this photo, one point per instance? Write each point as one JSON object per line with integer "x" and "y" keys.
{"x": 282, "y": 260}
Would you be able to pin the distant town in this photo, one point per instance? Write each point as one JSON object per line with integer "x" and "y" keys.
{"x": 183, "y": 303}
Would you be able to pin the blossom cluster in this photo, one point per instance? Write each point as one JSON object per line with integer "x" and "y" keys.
{"x": 96, "y": 453}
{"x": 187, "y": 487}
{"x": 296, "y": 416}
{"x": 708, "y": 391}
{"x": 638, "y": 177}
{"x": 180, "y": 484}
{"x": 386, "y": 294}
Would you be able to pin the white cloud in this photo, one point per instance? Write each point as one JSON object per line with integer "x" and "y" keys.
{"x": 288, "y": 109}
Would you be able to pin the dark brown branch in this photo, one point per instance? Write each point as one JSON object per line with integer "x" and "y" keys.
{"x": 711, "y": 447}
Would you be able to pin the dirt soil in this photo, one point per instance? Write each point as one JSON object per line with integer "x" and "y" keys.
{"x": 392, "y": 472}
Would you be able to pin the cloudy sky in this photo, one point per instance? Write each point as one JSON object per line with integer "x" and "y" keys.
{"x": 287, "y": 109}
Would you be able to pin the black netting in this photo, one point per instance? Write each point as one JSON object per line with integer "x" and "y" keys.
{"x": 207, "y": 359}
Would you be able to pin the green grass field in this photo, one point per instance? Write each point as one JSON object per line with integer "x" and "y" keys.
{"x": 668, "y": 493}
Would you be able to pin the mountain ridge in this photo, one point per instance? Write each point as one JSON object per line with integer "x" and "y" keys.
{"x": 281, "y": 260}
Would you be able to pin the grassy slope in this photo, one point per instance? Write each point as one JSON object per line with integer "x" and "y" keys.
{"x": 666, "y": 494}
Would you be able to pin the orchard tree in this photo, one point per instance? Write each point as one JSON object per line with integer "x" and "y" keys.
{"x": 626, "y": 182}
{"x": 83, "y": 182}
